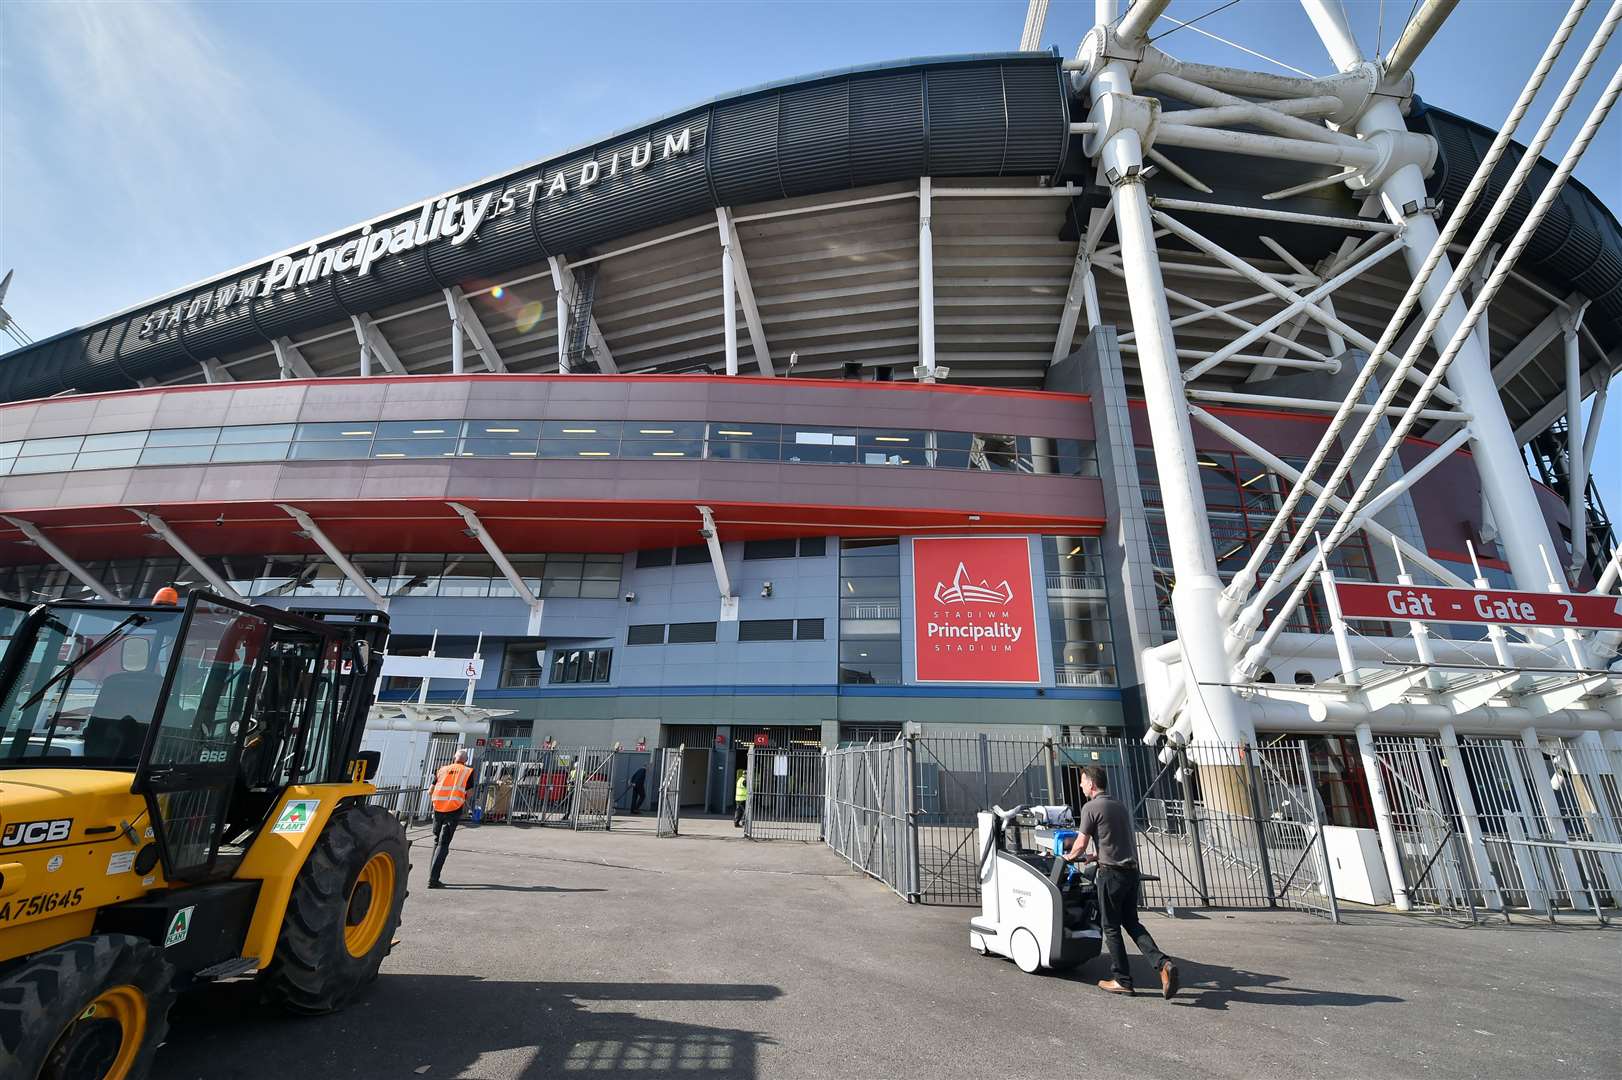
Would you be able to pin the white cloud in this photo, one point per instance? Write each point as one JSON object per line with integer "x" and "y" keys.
{"x": 145, "y": 147}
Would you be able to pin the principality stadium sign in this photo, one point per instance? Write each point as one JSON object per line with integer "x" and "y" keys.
{"x": 451, "y": 220}
{"x": 974, "y": 610}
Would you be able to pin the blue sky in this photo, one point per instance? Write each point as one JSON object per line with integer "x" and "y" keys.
{"x": 145, "y": 147}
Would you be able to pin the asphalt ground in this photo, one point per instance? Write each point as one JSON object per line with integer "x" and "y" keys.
{"x": 709, "y": 956}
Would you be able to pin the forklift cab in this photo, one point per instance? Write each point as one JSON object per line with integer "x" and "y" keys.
{"x": 215, "y": 706}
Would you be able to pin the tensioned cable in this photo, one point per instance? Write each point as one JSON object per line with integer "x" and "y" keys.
{"x": 1190, "y": 22}
{"x": 1236, "y": 45}
{"x": 1500, "y": 208}
{"x": 1239, "y": 589}
{"x": 1501, "y": 270}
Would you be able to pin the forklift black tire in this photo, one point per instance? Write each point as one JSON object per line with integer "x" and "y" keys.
{"x": 343, "y": 913}
{"x": 96, "y": 1008}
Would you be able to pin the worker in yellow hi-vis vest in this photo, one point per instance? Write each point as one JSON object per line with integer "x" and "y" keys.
{"x": 742, "y": 795}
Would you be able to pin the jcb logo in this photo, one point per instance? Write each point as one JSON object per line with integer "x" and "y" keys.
{"x": 19, "y": 833}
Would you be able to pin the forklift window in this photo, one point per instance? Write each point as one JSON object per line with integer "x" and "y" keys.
{"x": 85, "y": 691}
{"x": 205, "y": 703}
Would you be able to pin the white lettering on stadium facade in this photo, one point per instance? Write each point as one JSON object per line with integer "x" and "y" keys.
{"x": 451, "y": 218}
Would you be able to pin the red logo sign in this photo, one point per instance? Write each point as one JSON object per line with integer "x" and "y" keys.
{"x": 1375, "y": 601}
{"x": 973, "y": 610}
{"x": 763, "y": 739}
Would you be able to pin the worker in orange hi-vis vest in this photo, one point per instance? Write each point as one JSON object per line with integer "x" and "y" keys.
{"x": 449, "y": 798}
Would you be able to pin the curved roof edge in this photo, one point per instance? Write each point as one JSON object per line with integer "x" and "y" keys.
{"x": 1578, "y": 245}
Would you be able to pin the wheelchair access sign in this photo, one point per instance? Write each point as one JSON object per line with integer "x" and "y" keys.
{"x": 296, "y": 816}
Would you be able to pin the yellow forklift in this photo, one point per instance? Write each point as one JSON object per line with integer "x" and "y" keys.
{"x": 183, "y": 799}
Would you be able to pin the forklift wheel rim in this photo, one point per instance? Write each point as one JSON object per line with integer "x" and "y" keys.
{"x": 125, "y": 1006}
{"x": 378, "y": 876}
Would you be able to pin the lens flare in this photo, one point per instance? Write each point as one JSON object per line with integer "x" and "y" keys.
{"x": 497, "y": 293}
{"x": 528, "y": 316}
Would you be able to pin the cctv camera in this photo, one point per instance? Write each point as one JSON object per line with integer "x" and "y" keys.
{"x": 766, "y": 589}
{"x": 630, "y": 598}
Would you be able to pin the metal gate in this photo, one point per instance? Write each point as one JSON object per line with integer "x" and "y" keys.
{"x": 593, "y": 806}
{"x": 785, "y": 795}
{"x": 956, "y": 778}
{"x": 1499, "y": 825}
{"x": 867, "y": 814}
{"x": 668, "y": 799}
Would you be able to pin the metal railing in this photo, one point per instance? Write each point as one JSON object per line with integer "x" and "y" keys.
{"x": 667, "y": 799}
{"x": 786, "y": 793}
{"x": 1216, "y": 826}
{"x": 1495, "y": 825}
{"x": 868, "y": 816}
{"x": 577, "y": 788}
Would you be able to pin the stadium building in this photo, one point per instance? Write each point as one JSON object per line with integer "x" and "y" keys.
{"x": 954, "y": 392}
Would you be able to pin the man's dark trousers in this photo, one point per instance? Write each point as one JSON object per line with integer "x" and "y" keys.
{"x": 444, "y": 828}
{"x": 1117, "y": 911}
{"x": 638, "y": 794}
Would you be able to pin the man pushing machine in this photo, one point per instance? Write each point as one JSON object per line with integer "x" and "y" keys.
{"x": 1107, "y": 824}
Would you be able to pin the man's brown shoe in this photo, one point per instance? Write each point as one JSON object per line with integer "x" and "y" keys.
{"x": 1168, "y": 979}
{"x": 1114, "y": 987}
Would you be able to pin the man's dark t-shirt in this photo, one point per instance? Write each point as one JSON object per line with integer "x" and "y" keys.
{"x": 1108, "y": 823}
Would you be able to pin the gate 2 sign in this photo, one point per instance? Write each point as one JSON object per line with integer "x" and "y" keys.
{"x": 974, "y": 611}
{"x": 1502, "y": 606}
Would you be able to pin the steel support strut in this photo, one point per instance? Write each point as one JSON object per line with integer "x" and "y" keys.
{"x": 1212, "y": 708}
{"x": 61, "y": 558}
{"x": 185, "y": 551}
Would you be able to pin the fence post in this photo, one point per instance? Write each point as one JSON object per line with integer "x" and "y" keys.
{"x": 749, "y": 794}
{"x": 1053, "y": 798}
{"x": 985, "y": 770}
{"x": 909, "y": 764}
{"x": 1192, "y": 821}
{"x": 1247, "y": 752}
{"x": 1327, "y": 878}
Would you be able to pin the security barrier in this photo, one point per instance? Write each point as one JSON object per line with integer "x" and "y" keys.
{"x": 1217, "y": 826}
{"x": 1497, "y": 825}
{"x": 786, "y": 792}
{"x": 568, "y": 788}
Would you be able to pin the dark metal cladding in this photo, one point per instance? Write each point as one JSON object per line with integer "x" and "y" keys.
{"x": 968, "y": 122}
{"x": 158, "y": 351}
{"x": 1038, "y": 119}
{"x": 221, "y": 330}
{"x": 888, "y": 136}
{"x": 813, "y": 139}
{"x": 629, "y": 200}
{"x": 39, "y": 371}
{"x": 504, "y": 240}
{"x": 391, "y": 279}
{"x": 743, "y": 159}
{"x": 1577, "y": 248}
{"x": 991, "y": 115}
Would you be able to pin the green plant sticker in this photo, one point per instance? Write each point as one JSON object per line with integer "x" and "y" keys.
{"x": 179, "y": 926}
{"x": 296, "y": 816}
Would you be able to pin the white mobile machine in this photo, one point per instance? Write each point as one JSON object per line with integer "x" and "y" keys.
{"x": 1035, "y": 908}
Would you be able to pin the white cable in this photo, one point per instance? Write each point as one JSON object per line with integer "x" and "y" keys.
{"x": 1241, "y": 585}
{"x": 1500, "y": 274}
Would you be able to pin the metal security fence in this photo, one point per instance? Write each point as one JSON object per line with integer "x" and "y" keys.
{"x": 668, "y": 796}
{"x": 954, "y": 779}
{"x": 1217, "y": 826}
{"x": 786, "y": 790}
{"x": 867, "y": 816}
{"x": 1498, "y": 825}
{"x": 568, "y": 788}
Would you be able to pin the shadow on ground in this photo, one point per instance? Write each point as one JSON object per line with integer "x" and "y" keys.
{"x": 1205, "y": 986}
{"x": 460, "y": 1025}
